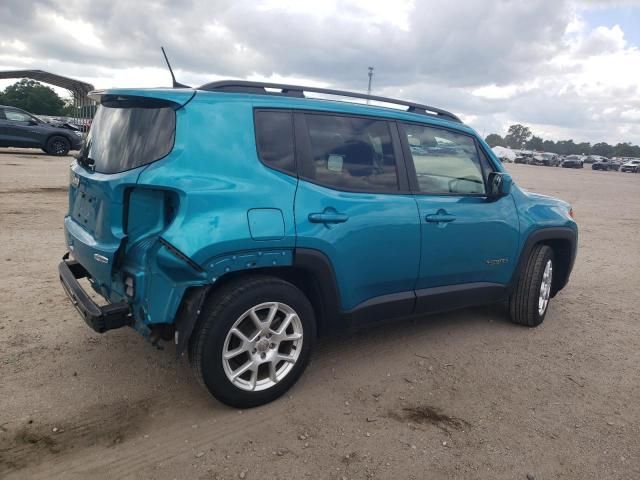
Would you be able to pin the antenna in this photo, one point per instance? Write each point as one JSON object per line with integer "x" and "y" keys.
{"x": 173, "y": 77}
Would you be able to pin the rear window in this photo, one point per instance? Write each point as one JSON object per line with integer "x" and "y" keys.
{"x": 274, "y": 139}
{"x": 128, "y": 135}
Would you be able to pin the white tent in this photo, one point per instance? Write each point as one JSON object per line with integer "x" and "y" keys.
{"x": 504, "y": 154}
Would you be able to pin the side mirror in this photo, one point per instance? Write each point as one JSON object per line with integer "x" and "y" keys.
{"x": 33, "y": 121}
{"x": 499, "y": 184}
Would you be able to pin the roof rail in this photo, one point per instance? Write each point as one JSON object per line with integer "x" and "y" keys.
{"x": 260, "y": 88}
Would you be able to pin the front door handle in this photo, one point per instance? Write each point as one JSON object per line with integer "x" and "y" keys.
{"x": 328, "y": 217}
{"x": 440, "y": 217}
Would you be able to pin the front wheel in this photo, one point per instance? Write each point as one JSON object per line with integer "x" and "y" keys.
{"x": 253, "y": 341}
{"x": 58, "y": 146}
{"x": 529, "y": 302}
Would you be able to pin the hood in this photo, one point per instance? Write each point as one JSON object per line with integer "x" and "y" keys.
{"x": 66, "y": 125}
{"x": 544, "y": 199}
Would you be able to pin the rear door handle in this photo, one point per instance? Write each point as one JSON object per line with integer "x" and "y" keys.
{"x": 440, "y": 217}
{"x": 328, "y": 217}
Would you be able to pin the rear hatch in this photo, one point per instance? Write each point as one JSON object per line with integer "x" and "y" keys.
{"x": 130, "y": 130}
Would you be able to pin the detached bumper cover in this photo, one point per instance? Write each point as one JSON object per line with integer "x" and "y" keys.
{"x": 99, "y": 318}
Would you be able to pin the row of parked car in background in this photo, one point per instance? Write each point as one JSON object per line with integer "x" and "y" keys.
{"x": 530, "y": 157}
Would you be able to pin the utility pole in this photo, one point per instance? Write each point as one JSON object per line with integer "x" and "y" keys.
{"x": 369, "y": 87}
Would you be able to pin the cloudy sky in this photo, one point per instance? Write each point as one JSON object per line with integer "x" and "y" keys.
{"x": 566, "y": 68}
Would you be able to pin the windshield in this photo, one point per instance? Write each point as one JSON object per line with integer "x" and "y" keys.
{"x": 124, "y": 138}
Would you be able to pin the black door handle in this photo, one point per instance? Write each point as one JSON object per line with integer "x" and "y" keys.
{"x": 439, "y": 217}
{"x": 328, "y": 217}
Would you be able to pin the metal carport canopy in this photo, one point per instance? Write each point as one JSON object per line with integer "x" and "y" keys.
{"x": 81, "y": 102}
{"x": 79, "y": 88}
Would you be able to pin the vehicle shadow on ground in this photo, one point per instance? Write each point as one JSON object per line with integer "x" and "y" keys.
{"x": 391, "y": 332}
{"x": 27, "y": 153}
{"x": 354, "y": 343}
{"x": 129, "y": 414}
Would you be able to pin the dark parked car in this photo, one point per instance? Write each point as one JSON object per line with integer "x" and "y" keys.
{"x": 573, "y": 161}
{"x": 523, "y": 157}
{"x": 21, "y": 129}
{"x": 631, "y": 166}
{"x": 605, "y": 164}
{"x": 546, "y": 159}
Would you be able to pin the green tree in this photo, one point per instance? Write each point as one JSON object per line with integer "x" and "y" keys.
{"x": 495, "y": 140}
{"x": 33, "y": 97}
{"x": 535, "y": 143}
{"x": 603, "y": 149}
{"x": 517, "y": 136}
{"x": 626, "y": 150}
{"x": 583, "y": 148}
{"x": 566, "y": 147}
{"x": 549, "y": 146}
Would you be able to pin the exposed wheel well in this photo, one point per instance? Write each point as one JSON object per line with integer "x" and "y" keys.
{"x": 302, "y": 278}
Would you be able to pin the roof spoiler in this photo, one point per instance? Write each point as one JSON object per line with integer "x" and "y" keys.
{"x": 143, "y": 97}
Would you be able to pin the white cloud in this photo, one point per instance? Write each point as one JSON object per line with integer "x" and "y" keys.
{"x": 79, "y": 30}
{"x": 493, "y": 63}
{"x": 631, "y": 114}
{"x": 601, "y": 41}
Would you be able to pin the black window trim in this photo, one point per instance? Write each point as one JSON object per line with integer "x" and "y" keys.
{"x": 303, "y": 152}
{"x": 411, "y": 169}
{"x": 295, "y": 173}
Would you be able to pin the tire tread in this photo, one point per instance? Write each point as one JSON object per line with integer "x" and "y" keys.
{"x": 214, "y": 314}
{"x": 523, "y": 304}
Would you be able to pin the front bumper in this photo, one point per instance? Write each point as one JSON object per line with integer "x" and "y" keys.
{"x": 76, "y": 141}
{"x": 99, "y": 318}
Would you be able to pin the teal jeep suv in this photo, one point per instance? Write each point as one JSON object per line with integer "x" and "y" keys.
{"x": 242, "y": 219}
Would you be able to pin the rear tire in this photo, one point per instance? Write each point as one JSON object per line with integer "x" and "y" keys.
{"x": 58, "y": 146}
{"x": 529, "y": 303}
{"x": 239, "y": 344}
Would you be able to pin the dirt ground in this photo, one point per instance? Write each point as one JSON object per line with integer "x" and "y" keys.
{"x": 463, "y": 395}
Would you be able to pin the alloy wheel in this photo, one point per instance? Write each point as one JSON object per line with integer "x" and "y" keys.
{"x": 545, "y": 288}
{"x": 262, "y": 346}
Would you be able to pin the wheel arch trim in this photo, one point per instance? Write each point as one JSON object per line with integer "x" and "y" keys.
{"x": 326, "y": 301}
{"x": 549, "y": 235}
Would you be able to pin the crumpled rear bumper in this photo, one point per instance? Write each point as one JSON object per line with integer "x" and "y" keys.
{"x": 99, "y": 318}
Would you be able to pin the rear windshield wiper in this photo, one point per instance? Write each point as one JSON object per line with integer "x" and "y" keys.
{"x": 85, "y": 160}
{"x": 90, "y": 163}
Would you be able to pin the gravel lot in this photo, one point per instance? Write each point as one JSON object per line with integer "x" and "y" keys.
{"x": 462, "y": 395}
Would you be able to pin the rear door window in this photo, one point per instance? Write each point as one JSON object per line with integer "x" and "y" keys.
{"x": 126, "y": 135}
{"x": 351, "y": 153}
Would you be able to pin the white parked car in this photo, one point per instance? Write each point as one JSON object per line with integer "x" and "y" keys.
{"x": 631, "y": 166}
